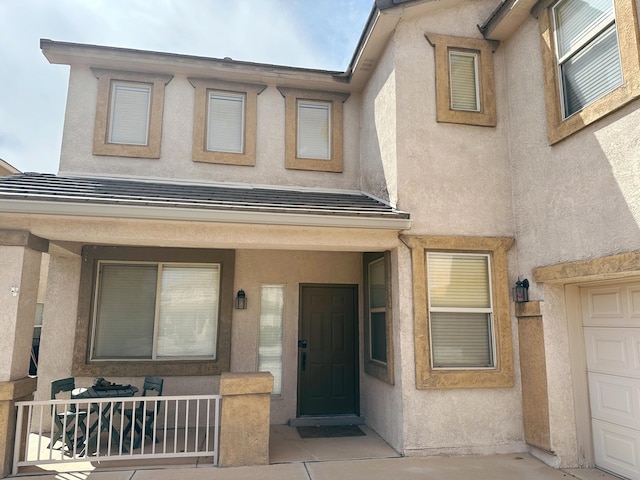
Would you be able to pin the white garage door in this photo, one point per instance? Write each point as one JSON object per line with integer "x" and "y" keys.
{"x": 611, "y": 319}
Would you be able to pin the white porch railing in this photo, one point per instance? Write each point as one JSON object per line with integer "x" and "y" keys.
{"x": 184, "y": 426}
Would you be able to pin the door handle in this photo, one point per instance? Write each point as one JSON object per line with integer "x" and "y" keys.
{"x": 304, "y": 361}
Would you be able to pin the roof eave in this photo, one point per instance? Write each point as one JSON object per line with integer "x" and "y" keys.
{"x": 235, "y": 216}
{"x": 506, "y": 19}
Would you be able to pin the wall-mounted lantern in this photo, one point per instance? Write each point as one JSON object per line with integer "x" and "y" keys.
{"x": 241, "y": 300}
{"x": 521, "y": 291}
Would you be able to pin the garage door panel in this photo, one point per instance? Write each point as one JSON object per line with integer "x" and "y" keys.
{"x": 616, "y": 448}
{"x": 603, "y": 303}
{"x": 634, "y": 302}
{"x": 613, "y": 350}
{"x": 615, "y": 399}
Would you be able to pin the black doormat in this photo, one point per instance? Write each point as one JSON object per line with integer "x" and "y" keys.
{"x": 330, "y": 432}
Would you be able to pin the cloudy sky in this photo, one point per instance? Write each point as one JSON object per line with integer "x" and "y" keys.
{"x": 302, "y": 33}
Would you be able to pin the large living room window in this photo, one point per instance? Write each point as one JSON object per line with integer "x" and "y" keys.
{"x": 164, "y": 311}
{"x": 156, "y": 311}
{"x": 591, "y": 55}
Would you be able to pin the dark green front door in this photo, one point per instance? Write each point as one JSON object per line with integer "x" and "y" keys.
{"x": 327, "y": 350}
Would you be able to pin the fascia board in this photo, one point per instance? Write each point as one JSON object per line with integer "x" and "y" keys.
{"x": 202, "y": 215}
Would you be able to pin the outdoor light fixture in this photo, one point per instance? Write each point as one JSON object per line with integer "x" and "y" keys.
{"x": 241, "y": 300}
{"x": 521, "y": 291}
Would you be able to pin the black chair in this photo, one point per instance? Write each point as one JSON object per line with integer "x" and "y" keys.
{"x": 142, "y": 417}
{"x": 70, "y": 423}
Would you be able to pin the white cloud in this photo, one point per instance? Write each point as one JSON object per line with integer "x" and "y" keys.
{"x": 303, "y": 33}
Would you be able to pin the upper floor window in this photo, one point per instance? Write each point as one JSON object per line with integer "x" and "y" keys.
{"x": 465, "y": 91}
{"x": 129, "y": 119}
{"x": 591, "y": 56}
{"x": 225, "y": 121}
{"x": 313, "y": 129}
{"x": 129, "y": 113}
{"x": 587, "y": 51}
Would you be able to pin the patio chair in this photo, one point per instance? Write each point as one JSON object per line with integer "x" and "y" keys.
{"x": 70, "y": 423}
{"x": 142, "y": 418}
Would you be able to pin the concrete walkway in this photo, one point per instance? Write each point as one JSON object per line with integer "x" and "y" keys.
{"x": 354, "y": 458}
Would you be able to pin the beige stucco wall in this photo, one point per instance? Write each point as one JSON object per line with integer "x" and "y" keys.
{"x": 175, "y": 161}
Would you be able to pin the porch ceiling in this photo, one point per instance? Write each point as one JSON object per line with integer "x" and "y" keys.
{"x": 43, "y": 194}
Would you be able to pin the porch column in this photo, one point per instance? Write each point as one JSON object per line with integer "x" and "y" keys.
{"x": 245, "y": 418}
{"x": 20, "y": 257}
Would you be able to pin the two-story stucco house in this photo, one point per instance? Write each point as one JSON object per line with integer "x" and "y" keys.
{"x": 373, "y": 222}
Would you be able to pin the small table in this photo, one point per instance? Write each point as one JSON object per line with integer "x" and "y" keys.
{"x": 104, "y": 415}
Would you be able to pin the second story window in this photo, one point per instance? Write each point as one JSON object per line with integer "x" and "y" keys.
{"x": 314, "y": 130}
{"x": 225, "y": 122}
{"x": 130, "y": 108}
{"x": 129, "y": 113}
{"x": 463, "y": 74}
{"x": 587, "y": 51}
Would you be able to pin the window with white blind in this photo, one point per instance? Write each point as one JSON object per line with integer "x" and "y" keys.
{"x": 377, "y": 309}
{"x": 225, "y": 122}
{"x": 464, "y": 80}
{"x": 463, "y": 75}
{"x": 314, "y": 130}
{"x": 460, "y": 310}
{"x": 587, "y": 51}
{"x": 130, "y": 108}
{"x": 156, "y": 311}
{"x": 591, "y": 55}
{"x": 271, "y": 333}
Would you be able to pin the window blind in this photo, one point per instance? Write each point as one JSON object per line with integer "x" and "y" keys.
{"x": 125, "y": 311}
{"x": 587, "y": 50}
{"x": 463, "y": 74}
{"x": 314, "y": 127}
{"x": 225, "y": 123}
{"x": 188, "y": 311}
{"x": 271, "y": 333}
{"x": 460, "y": 310}
{"x": 129, "y": 121}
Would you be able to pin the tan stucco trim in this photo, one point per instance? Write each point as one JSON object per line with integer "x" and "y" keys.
{"x": 83, "y": 366}
{"x": 628, "y": 37}
{"x": 23, "y": 238}
{"x": 426, "y": 376}
{"x": 487, "y": 116}
{"x": 291, "y": 96}
{"x": 199, "y": 149}
{"x": 100, "y": 134}
{"x": 595, "y": 269}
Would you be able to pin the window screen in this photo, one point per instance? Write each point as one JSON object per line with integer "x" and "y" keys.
{"x": 314, "y": 127}
{"x": 463, "y": 74}
{"x": 225, "y": 122}
{"x": 129, "y": 119}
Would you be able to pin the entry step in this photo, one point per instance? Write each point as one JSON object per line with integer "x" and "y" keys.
{"x": 326, "y": 421}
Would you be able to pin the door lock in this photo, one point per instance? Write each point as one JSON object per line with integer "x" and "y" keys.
{"x": 302, "y": 344}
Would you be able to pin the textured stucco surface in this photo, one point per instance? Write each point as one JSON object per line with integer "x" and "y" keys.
{"x": 177, "y": 136}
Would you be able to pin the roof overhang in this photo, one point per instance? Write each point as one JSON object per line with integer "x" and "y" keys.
{"x": 506, "y": 18}
{"x": 145, "y": 212}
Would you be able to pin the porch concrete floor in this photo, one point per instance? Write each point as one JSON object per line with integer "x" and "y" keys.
{"x": 294, "y": 458}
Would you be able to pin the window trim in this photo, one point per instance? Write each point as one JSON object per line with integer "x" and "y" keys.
{"x": 101, "y": 145}
{"x": 375, "y": 368}
{"x": 336, "y": 99}
{"x": 199, "y": 152}
{"x": 427, "y": 377}
{"x": 486, "y": 115}
{"x": 559, "y": 128}
{"x": 82, "y": 365}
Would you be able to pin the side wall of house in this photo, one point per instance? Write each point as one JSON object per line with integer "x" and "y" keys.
{"x": 175, "y": 162}
{"x": 455, "y": 182}
{"x": 576, "y": 200}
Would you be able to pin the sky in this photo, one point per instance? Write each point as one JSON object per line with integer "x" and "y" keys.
{"x": 301, "y": 33}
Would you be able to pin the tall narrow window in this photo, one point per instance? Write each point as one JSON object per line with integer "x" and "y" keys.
{"x": 225, "y": 122}
{"x": 460, "y": 310}
{"x": 314, "y": 130}
{"x": 377, "y": 300}
{"x": 130, "y": 107}
{"x": 463, "y": 74}
{"x": 587, "y": 51}
{"x": 271, "y": 333}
